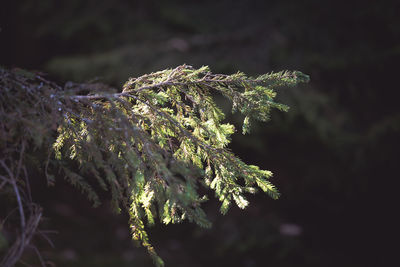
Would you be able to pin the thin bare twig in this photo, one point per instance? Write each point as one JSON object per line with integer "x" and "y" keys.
{"x": 19, "y": 251}
{"x": 28, "y": 186}
{"x": 2, "y": 183}
{"x": 28, "y": 228}
{"x": 21, "y": 155}
{"x": 39, "y": 255}
{"x": 43, "y": 234}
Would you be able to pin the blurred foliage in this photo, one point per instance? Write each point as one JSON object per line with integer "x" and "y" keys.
{"x": 335, "y": 152}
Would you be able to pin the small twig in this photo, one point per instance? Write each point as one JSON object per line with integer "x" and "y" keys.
{"x": 8, "y": 215}
{"x": 15, "y": 186}
{"x": 28, "y": 186}
{"x": 172, "y": 73}
{"x": 22, "y": 216}
{"x": 5, "y": 179}
{"x": 39, "y": 255}
{"x": 13, "y": 182}
{"x": 3, "y": 183}
{"x": 45, "y": 237}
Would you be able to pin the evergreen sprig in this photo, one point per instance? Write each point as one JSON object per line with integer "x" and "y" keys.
{"x": 151, "y": 145}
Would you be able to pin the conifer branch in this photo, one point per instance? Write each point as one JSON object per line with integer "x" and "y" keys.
{"x": 150, "y": 146}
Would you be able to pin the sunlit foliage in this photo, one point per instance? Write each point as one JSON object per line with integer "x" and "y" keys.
{"x": 150, "y": 145}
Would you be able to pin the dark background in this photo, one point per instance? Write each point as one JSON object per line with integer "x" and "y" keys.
{"x": 334, "y": 155}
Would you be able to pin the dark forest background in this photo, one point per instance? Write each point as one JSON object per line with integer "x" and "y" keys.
{"x": 334, "y": 155}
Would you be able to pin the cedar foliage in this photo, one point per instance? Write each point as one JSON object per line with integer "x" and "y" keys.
{"x": 150, "y": 145}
